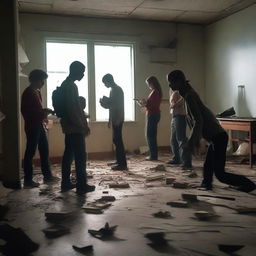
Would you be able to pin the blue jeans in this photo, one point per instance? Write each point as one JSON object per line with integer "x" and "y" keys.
{"x": 151, "y": 133}
{"x": 74, "y": 148}
{"x": 179, "y": 140}
{"x": 36, "y": 137}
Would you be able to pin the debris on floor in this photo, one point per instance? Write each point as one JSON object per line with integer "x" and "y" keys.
{"x": 189, "y": 197}
{"x": 17, "y": 242}
{"x": 92, "y": 209}
{"x": 104, "y": 232}
{"x": 193, "y": 174}
{"x": 180, "y": 204}
{"x": 56, "y": 231}
{"x": 159, "y": 167}
{"x": 169, "y": 181}
{"x": 180, "y": 184}
{"x": 107, "y": 198}
{"x": 58, "y": 216}
{"x": 119, "y": 185}
{"x": 84, "y": 250}
{"x": 229, "y": 248}
{"x": 204, "y": 215}
{"x": 157, "y": 238}
{"x": 156, "y": 177}
{"x": 161, "y": 214}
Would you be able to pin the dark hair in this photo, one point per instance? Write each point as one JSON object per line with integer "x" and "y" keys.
{"x": 37, "y": 75}
{"x": 108, "y": 78}
{"x": 178, "y": 75}
{"x": 76, "y": 66}
{"x": 153, "y": 80}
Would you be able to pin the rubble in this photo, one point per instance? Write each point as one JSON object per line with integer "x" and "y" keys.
{"x": 119, "y": 185}
{"x": 107, "y": 198}
{"x": 156, "y": 177}
{"x": 159, "y": 167}
{"x": 229, "y": 248}
{"x": 55, "y": 231}
{"x": 203, "y": 215}
{"x": 161, "y": 214}
{"x": 193, "y": 174}
{"x": 169, "y": 181}
{"x": 180, "y": 184}
{"x": 84, "y": 250}
{"x": 93, "y": 209}
{"x": 17, "y": 242}
{"x": 157, "y": 238}
{"x": 58, "y": 216}
{"x": 180, "y": 204}
{"x": 189, "y": 197}
{"x": 104, "y": 232}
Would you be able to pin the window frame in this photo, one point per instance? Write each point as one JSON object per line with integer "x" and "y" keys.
{"x": 90, "y": 69}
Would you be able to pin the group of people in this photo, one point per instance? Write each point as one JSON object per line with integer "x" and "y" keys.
{"x": 184, "y": 104}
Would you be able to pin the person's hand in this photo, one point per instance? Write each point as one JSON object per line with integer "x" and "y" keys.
{"x": 142, "y": 102}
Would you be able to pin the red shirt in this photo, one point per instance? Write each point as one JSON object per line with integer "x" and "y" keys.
{"x": 153, "y": 103}
{"x": 31, "y": 108}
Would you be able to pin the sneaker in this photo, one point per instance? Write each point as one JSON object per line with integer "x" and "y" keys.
{"x": 31, "y": 184}
{"x": 187, "y": 168}
{"x": 67, "y": 187}
{"x": 87, "y": 189}
{"x": 112, "y": 163}
{"x": 50, "y": 179}
{"x": 148, "y": 158}
{"x": 119, "y": 168}
{"x": 205, "y": 187}
{"x": 173, "y": 162}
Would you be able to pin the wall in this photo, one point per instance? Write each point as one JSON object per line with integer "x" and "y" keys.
{"x": 231, "y": 61}
{"x": 190, "y": 58}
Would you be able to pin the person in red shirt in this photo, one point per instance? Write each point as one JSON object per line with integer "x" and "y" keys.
{"x": 152, "y": 105}
{"x": 34, "y": 116}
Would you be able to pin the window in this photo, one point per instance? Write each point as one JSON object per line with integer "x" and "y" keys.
{"x": 114, "y": 58}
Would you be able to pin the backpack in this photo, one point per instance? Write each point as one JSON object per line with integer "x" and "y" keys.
{"x": 58, "y": 102}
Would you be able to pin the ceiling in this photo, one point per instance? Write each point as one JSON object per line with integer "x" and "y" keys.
{"x": 185, "y": 11}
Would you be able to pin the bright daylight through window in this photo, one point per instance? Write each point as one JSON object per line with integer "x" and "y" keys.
{"x": 116, "y": 59}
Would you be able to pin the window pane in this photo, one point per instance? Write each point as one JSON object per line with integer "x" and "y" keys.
{"x": 118, "y": 61}
{"x": 58, "y": 58}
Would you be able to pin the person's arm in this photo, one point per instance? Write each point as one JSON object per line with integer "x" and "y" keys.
{"x": 196, "y": 132}
{"x": 74, "y": 110}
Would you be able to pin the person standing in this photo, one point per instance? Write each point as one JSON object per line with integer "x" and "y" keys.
{"x": 178, "y": 132}
{"x": 34, "y": 116}
{"x": 207, "y": 126}
{"x": 152, "y": 105}
{"x": 115, "y": 104}
{"x": 75, "y": 128}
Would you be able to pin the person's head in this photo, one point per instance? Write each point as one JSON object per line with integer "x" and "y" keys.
{"x": 153, "y": 84}
{"x": 76, "y": 70}
{"x": 108, "y": 80}
{"x": 37, "y": 78}
{"x": 177, "y": 80}
{"x": 82, "y": 102}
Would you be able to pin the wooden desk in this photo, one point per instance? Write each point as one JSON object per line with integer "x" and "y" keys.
{"x": 242, "y": 124}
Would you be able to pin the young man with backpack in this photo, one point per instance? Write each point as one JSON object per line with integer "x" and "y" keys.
{"x": 75, "y": 129}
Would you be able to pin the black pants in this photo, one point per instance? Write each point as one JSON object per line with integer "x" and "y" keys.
{"x": 215, "y": 163}
{"x": 118, "y": 142}
{"x": 74, "y": 149}
{"x": 151, "y": 133}
{"x": 36, "y": 137}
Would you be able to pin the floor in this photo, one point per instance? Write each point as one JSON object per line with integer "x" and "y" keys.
{"x": 133, "y": 212}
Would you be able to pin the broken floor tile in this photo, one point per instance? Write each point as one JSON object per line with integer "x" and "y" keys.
{"x": 161, "y": 214}
{"x": 17, "y": 242}
{"x": 119, "y": 185}
{"x": 227, "y": 248}
{"x": 157, "y": 177}
{"x": 189, "y": 197}
{"x": 169, "y": 181}
{"x": 180, "y": 184}
{"x": 180, "y": 204}
{"x": 55, "y": 231}
{"x": 107, "y": 198}
{"x": 83, "y": 250}
{"x": 104, "y": 232}
{"x": 203, "y": 215}
{"x": 92, "y": 209}
{"x": 159, "y": 167}
{"x": 58, "y": 216}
